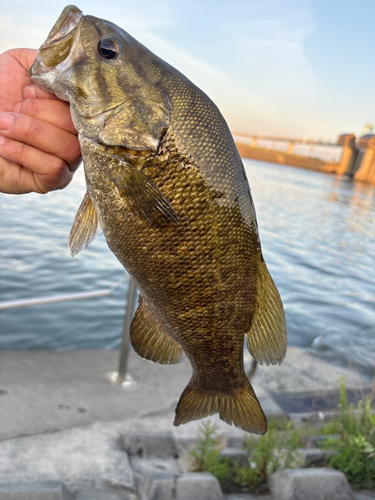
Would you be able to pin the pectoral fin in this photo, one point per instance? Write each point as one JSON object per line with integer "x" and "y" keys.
{"x": 85, "y": 227}
{"x": 143, "y": 197}
{"x": 150, "y": 341}
{"x": 266, "y": 339}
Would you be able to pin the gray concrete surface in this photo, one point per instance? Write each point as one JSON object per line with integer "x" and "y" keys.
{"x": 63, "y": 420}
{"x": 43, "y": 391}
{"x": 47, "y": 490}
{"x": 51, "y": 390}
{"x": 83, "y": 458}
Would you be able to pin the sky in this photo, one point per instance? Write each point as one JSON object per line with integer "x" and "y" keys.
{"x": 286, "y": 68}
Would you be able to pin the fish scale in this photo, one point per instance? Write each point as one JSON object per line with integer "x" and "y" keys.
{"x": 166, "y": 184}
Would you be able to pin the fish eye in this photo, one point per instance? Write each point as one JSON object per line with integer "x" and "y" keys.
{"x": 108, "y": 48}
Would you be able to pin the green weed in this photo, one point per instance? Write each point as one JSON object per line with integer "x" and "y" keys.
{"x": 354, "y": 449}
{"x": 206, "y": 453}
{"x": 265, "y": 455}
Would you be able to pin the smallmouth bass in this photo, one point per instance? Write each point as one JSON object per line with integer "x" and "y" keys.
{"x": 166, "y": 184}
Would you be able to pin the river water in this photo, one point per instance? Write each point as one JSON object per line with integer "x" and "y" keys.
{"x": 318, "y": 238}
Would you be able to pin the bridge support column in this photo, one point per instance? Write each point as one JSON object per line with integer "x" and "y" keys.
{"x": 349, "y": 154}
{"x": 289, "y": 150}
{"x": 366, "y": 170}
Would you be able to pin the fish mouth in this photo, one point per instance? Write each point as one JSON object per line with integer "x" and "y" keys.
{"x": 59, "y": 41}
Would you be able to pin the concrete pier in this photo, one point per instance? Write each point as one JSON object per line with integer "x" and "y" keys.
{"x": 349, "y": 154}
{"x": 290, "y": 148}
{"x": 366, "y": 170}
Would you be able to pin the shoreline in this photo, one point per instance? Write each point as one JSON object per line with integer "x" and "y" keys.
{"x": 356, "y": 163}
{"x": 282, "y": 158}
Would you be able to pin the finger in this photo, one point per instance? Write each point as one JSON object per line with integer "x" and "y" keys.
{"x": 33, "y": 91}
{"x": 24, "y": 56}
{"x": 43, "y": 136}
{"x": 54, "y": 112}
{"x": 49, "y": 172}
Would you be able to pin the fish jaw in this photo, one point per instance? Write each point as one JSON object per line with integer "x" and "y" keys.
{"x": 58, "y": 53}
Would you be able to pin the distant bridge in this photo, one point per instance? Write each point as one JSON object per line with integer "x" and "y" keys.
{"x": 293, "y": 140}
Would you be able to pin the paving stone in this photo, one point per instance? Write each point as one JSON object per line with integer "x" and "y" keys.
{"x": 150, "y": 444}
{"x": 107, "y": 494}
{"x": 310, "y": 484}
{"x": 318, "y": 418}
{"x": 150, "y": 467}
{"x": 314, "y": 457}
{"x": 272, "y": 410}
{"x": 82, "y": 458}
{"x": 247, "y": 496}
{"x": 364, "y": 495}
{"x": 198, "y": 486}
{"x": 234, "y": 441}
{"x": 316, "y": 441}
{"x": 185, "y": 443}
{"x": 46, "y": 490}
{"x": 234, "y": 454}
{"x": 157, "y": 488}
{"x": 192, "y": 486}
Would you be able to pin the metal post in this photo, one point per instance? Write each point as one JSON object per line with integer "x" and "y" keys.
{"x": 124, "y": 354}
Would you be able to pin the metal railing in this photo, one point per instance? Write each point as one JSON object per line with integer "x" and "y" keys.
{"x": 125, "y": 344}
{"x": 121, "y": 377}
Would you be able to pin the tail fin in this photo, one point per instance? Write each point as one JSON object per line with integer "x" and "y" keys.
{"x": 241, "y": 408}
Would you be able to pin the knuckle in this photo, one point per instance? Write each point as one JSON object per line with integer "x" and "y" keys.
{"x": 17, "y": 149}
{"x": 58, "y": 167}
{"x": 59, "y": 175}
{"x": 33, "y": 129}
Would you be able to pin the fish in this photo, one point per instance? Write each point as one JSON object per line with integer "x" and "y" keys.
{"x": 167, "y": 186}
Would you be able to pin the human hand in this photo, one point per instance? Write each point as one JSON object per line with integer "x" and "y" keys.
{"x": 39, "y": 149}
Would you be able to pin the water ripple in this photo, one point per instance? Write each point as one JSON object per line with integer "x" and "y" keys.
{"x": 318, "y": 238}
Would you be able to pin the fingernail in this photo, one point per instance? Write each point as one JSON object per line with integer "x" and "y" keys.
{"x": 6, "y": 120}
{"x": 2, "y": 140}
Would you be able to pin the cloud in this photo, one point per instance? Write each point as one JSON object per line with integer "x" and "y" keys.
{"x": 248, "y": 56}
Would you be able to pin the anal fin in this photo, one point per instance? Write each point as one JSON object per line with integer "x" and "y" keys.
{"x": 266, "y": 338}
{"x": 150, "y": 341}
{"x": 241, "y": 408}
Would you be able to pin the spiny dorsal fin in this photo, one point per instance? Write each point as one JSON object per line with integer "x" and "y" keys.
{"x": 241, "y": 409}
{"x": 150, "y": 341}
{"x": 266, "y": 338}
{"x": 85, "y": 228}
{"x": 143, "y": 197}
